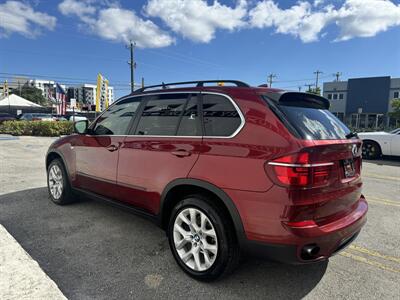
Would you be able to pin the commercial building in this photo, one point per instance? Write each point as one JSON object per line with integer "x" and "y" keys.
{"x": 363, "y": 102}
{"x": 46, "y": 86}
{"x": 86, "y": 94}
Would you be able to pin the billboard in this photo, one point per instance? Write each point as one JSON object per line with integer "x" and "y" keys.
{"x": 101, "y": 93}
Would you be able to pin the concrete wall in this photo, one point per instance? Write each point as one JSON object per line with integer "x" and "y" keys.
{"x": 337, "y": 87}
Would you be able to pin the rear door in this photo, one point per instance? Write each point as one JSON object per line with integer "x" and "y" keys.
{"x": 97, "y": 152}
{"x": 163, "y": 145}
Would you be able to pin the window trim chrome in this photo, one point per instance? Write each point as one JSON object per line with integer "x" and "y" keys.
{"x": 237, "y": 108}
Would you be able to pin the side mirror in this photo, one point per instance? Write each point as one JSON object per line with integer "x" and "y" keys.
{"x": 80, "y": 127}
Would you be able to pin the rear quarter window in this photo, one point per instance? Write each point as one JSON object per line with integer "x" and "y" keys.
{"x": 220, "y": 117}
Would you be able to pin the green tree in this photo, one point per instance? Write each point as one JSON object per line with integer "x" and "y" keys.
{"x": 396, "y": 109}
{"x": 32, "y": 94}
{"x": 316, "y": 91}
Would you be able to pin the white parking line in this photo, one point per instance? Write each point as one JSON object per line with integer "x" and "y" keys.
{"x": 20, "y": 276}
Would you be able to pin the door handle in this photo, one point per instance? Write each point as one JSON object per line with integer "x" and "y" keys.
{"x": 181, "y": 153}
{"x": 112, "y": 148}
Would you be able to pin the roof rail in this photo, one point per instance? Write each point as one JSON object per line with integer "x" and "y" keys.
{"x": 197, "y": 83}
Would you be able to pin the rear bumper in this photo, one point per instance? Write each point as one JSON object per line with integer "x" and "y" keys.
{"x": 330, "y": 239}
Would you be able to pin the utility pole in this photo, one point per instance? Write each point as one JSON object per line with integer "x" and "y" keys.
{"x": 337, "y": 75}
{"x": 270, "y": 79}
{"x": 132, "y": 65}
{"x": 309, "y": 87}
{"x": 299, "y": 88}
{"x": 142, "y": 82}
{"x": 316, "y": 80}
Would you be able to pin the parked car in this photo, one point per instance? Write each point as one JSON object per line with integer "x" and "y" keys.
{"x": 36, "y": 117}
{"x": 224, "y": 170}
{"x": 6, "y": 117}
{"x": 59, "y": 118}
{"x": 75, "y": 118}
{"x": 376, "y": 144}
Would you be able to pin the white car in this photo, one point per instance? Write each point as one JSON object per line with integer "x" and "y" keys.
{"x": 380, "y": 143}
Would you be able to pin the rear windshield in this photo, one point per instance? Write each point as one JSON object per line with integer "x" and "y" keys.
{"x": 315, "y": 124}
{"x": 309, "y": 119}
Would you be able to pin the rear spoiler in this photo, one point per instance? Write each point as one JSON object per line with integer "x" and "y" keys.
{"x": 298, "y": 99}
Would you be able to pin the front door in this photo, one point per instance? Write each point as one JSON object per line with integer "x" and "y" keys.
{"x": 164, "y": 146}
{"x": 97, "y": 152}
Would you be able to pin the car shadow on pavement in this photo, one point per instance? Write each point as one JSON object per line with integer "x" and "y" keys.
{"x": 93, "y": 250}
{"x": 385, "y": 161}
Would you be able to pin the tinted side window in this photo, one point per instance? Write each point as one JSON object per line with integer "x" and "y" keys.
{"x": 115, "y": 120}
{"x": 161, "y": 115}
{"x": 190, "y": 123}
{"x": 219, "y": 116}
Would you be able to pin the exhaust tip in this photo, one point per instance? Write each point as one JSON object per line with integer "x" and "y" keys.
{"x": 310, "y": 251}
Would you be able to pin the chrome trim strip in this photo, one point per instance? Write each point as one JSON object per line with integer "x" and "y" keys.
{"x": 242, "y": 119}
{"x": 300, "y": 165}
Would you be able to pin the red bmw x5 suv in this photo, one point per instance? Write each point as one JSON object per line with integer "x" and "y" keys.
{"x": 224, "y": 170}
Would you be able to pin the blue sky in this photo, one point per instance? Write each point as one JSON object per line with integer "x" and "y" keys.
{"x": 195, "y": 39}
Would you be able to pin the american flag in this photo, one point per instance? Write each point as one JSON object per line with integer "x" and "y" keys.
{"x": 61, "y": 98}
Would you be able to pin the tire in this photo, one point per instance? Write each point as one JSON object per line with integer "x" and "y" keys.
{"x": 371, "y": 150}
{"x": 217, "y": 251}
{"x": 58, "y": 185}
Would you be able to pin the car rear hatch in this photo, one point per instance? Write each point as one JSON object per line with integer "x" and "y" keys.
{"x": 326, "y": 173}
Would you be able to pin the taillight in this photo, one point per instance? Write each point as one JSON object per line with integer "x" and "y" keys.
{"x": 297, "y": 170}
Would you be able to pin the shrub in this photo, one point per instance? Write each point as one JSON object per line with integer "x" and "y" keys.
{"x": 36, "y": 128}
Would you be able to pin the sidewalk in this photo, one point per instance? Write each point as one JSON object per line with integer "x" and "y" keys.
{"x": 20, "y": 276}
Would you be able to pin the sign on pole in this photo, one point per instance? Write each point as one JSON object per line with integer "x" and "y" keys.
{"x": 72, "y": 103}
{"x": 101, "y": 93}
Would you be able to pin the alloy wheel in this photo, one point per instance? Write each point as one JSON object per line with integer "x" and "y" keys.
{"x": 195, "y": 239}
{"x": 56, "y": 181}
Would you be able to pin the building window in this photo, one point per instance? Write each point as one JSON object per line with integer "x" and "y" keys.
{"x": 330, "y": 96}
{"x": 335, "y": 96}
{"x": 396, "y": 95}
{"x": 341, "y": 96}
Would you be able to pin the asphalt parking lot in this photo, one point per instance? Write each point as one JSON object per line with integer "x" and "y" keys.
{"x": 92, "y": 250}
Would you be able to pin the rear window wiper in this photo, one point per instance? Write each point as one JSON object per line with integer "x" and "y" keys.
{"x": 351, "y": 135}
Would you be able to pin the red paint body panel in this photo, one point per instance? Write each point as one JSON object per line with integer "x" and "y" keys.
{"x": 141, "y": 180}
{"x": 139, "y": 171}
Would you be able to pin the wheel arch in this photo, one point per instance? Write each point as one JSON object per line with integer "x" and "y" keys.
{"x": 54, "y": 154}
{"x": 189, "y": 186}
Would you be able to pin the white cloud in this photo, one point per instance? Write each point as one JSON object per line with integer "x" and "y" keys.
{"x": 366, "y": 18}
{"x": 83, "y": 9}
{"x": 117, "y": 24}
{"x": 299, "y": 20}
{"x": 195, "y": 19}
{"x": 19, "y": 17}
{"x": 124, "y": 25}
{"x": 306, "y": 20}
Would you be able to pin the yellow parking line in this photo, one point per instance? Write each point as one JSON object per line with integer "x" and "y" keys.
{"x": 383, "y": 201}
{"x": 370, "y": 175}
{"x": 368, "y": 262}
{"x": 374, "y": 253}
